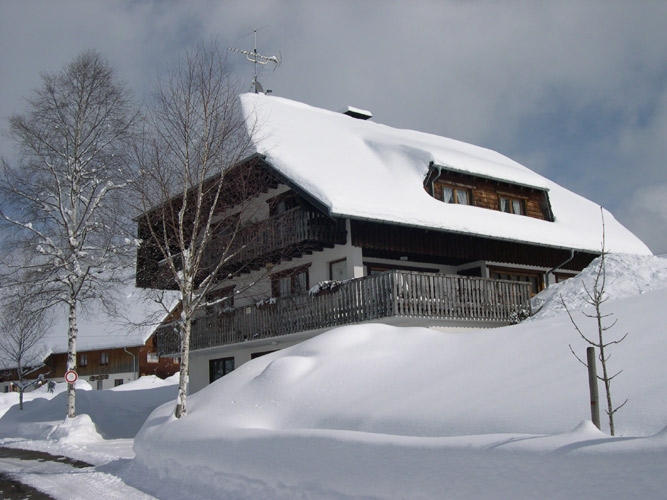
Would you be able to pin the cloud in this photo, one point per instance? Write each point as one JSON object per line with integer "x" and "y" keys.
{"x": 575, "y": 90}
{"x": 646, "y": 213}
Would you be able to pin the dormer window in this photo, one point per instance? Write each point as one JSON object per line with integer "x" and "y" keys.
{"x": 456, "y": 194}
{"x": 450, "y": 186}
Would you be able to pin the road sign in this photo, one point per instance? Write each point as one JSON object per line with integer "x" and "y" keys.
{"x": 71, "y": 376}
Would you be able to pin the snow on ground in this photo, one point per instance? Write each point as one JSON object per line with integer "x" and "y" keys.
{"x": 625, "y": 276}
{"x": 381, "y": 412}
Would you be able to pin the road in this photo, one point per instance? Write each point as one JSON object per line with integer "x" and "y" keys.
{"x": 11, "y": 488}
{"x": 29, "y": 474}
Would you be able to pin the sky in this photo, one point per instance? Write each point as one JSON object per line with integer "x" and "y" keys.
{"x": 575, "y": 90}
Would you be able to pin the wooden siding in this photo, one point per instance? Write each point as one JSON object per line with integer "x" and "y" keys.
{"x": 394, "y": 294}
{"x": 386, "y": 241}
{"x": 119, "y": 362}
{"x": 486, "y": 193}
{"x": 163, "y": 367}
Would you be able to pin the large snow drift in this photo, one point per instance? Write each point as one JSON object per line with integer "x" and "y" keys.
{"x": 113, "y": 414}
{"x": 365, "y": 170}
{"x": 408, "y": 412}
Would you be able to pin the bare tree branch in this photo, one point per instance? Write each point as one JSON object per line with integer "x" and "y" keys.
{"x": 596, "y": 297}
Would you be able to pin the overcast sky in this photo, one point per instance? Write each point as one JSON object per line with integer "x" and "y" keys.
{"x": 575, "y": 90}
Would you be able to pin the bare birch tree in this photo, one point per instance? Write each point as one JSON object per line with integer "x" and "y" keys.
{"x": 596, "y": 297}
{"x": 195, "y": 134}
{"x": 23, "y": 326}
{"x": 62, "y": 197}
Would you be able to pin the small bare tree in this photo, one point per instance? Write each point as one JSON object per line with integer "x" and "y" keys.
{"x": 23, "y": 326}
{"x": 62, "y": 200}
{"x": 189, "y": 159}
{"x": 596, "y": 297}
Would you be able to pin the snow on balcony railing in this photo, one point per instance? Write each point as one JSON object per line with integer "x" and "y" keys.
{"x": 388, "y": 295}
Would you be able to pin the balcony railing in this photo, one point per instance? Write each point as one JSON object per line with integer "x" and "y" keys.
{"x": 280, "y": 237}
{"x": 393, "y": 294}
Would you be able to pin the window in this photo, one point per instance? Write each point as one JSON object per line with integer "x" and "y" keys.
{"x": 117, "y": 382}
{"x": 338, "y": 270}
{"x": 83, "y": 360}
{"x": 290, "y": 282}
{"x": 152, "y": 357}
{"x": 218, "y": 368}
{"x": 456, "y": 194}
{"x": 255, "y": 355}
{"x": 512, "y": 205}
{"x": 104, "y": 358}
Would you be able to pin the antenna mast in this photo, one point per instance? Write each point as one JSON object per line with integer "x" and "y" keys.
{"x": 256, "y": 59}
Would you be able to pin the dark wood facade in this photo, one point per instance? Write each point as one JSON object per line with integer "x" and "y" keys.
{"x": 142, "y": 360}
{"x": 487, "y": 193}
{"x": 281, "y": 237}
{"x": 421, "y": 245}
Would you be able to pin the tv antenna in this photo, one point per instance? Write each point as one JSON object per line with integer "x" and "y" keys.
{"x": 256, "y": 58}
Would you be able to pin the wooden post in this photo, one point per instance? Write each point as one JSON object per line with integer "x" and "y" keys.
{"x": 593, "y": 386}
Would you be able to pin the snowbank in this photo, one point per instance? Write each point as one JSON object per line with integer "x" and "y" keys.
{"x": 625, "y": 276}
{"x": 108, "y": 414}
{"x": 384, "y": 412}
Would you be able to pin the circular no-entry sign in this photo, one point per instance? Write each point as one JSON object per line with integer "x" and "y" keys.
{"x": 71, "y": 376}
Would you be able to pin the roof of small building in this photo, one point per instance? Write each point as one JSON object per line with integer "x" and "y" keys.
{"x": 364, "y": 170}
{"x": 131, "y": 325}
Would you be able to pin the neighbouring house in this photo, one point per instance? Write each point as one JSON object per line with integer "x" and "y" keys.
{"x": 110, "y": 350}
{"x": 108, "y": 367}
{"x": 356, "y": 222}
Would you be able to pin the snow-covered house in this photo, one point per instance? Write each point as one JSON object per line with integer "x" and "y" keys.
{"x": 364, "y": 222}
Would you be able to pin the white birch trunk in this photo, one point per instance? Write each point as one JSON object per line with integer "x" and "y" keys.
{"x": 181, "y": 408}
{"x": 71, "y": 358}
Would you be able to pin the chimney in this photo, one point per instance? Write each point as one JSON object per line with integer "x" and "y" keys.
{"x": 360, "y": 114}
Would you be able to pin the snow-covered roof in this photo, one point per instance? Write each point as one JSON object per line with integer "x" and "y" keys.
{"x": 138, "y": 313}
{"x": 134, "y": 321}
{"x": 365, "y": 170}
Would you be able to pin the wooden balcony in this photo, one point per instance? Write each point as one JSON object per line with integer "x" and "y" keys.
{"x": 393, "y": 294}
{"x": 281, "y": 237}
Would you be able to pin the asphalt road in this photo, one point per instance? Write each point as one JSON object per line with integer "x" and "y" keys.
{"x": 13, "y": 489}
